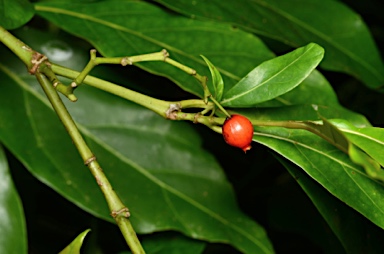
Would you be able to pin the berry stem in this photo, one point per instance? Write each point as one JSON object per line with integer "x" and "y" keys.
{"x": 219, "y": 106}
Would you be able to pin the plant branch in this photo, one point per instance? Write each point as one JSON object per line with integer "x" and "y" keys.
{"x": 172, "y": 110}
{"x": 19, "y": 48}
{"x": 156, "y": 105}
{"x": 126, "y": 60}
{"x": 304, "y": 125}
{"x": 130, "y": 60}
{"x": 219, "y": 106}
{"x": 163, "y": 108}
{"x": 118, "y": 211}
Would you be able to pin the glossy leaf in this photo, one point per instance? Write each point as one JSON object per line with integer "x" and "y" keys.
{"x": 217, "y": 80}
{"x": 150, "y": 28}
{"x": 354, "y": 232}
{"x": 315, "y": 83}
{"x": 330, "y": 167}
{"x": 274, "y": 77}
{"x": 15, "y": 13}
{"x": 171, "y": 243}
{"x": 12, "y": 222}
{"x": 291, "y": 212}
{"x": 336, "y": 137}
{"x": 75, "y": 246}
{"x": 155, "y": 165}
{"x": 368, "y": 139}
{"x": 358, "y": 156}
{"x": 238, "y": 47}
{"x": 343, "y": 34}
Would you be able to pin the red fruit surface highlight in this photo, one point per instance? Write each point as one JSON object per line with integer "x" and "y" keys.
{"x": 238, "y": 132}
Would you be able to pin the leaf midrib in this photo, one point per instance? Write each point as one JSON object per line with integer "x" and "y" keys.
{"x": 323, "y": 36}
{"x": 359, "y": 134}
{"x": 172, "y": 190}
{"x": 343, "y": 164}
{"x": 299, "y": 23}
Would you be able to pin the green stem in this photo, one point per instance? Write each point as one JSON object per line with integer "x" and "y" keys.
{"x": 215, "y": 124}
{"x": 126, "y": 60}
{"x": 19, "y": 48}
{"x": 158, "y": 106}
{"x": 202, "y": 79}
{"x": 212, "y": 122}
{"x": 129, "y": 60}
{"x": 60, "y": 87}
{"x": 161, "y": 107}
{"x": 196, "y": 103}
{"x": 298, "y": 125}
{"x": 220, "y": 107}
{"x": 118, "y": 211}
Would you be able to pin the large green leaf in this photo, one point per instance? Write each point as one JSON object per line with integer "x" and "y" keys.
{"x": 171, "y": 243}
{"x": 274, "y": 77}
{"x": 355, "y": 233}
{"x": 315, "y": 83}
{"x": 330, "y": 167}
{"x": 291, "y": 211}
{"x": 135, "y": 27}
{"x": 343, "y": 34}
{"x": 12, "y": 223}
{"x": 161, "y": 29}
{"x": 158, "y": 167}
{"x": 15, "y": 13}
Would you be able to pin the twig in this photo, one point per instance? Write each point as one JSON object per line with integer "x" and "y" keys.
{"x": 118, "y": 211}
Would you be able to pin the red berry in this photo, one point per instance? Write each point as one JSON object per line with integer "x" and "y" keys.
{"x": 238, "y": 132}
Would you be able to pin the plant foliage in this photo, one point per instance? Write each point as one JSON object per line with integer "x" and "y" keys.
{"x": 185, "y": 188}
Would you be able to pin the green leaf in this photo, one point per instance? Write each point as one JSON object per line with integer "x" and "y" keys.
{"x": 15, "y": 13}
{"x": 169, "y": 242}
{"x": 274, "y": 77}
{"x": 354, "y": 232}
{"x": 330, "y": 167}
{"x": 75, "y": 246}
{"x": 368, "y": 139}
{"x": 335, "y": 136}
{"x": 297, "y": 22}
{"x": 291, "y": 213}
{"x": 12, "y": 222}
{"x": 217, "y": 80}
{"x": 150, "y": 28}
{"x": 315, "y": 83}
{"x": 158, "y": 167}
